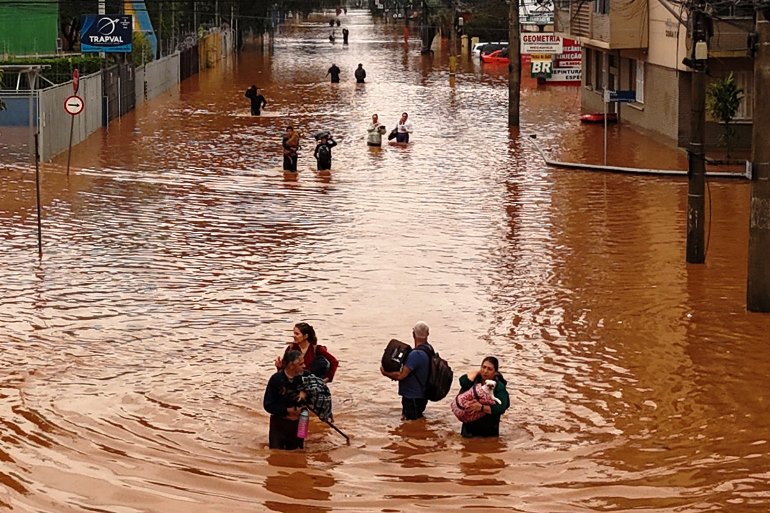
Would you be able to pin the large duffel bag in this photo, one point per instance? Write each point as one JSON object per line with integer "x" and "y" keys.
{"x": 395, "y": 355}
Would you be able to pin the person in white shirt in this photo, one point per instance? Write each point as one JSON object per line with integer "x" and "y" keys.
{"x": 403, "y": 129}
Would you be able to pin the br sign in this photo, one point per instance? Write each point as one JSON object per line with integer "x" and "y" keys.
{"x": 106, "y": 33}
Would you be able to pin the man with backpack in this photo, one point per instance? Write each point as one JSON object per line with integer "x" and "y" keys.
{"x": 414, "y": 379}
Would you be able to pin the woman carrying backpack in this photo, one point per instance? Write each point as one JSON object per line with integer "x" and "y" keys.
{"x": 489, "y": 424}
{"x": 318, "y": 360}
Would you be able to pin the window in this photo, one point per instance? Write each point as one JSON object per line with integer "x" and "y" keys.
{"x": 589, "y": 71}
{"x": 598, "y": 70}
{"x": 639, "y": 81}
{"x": 602, "y": 6}
{"x": 745, "y": 80}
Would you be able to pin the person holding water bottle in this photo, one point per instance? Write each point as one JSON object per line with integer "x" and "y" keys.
{"x": 283, "y": 401}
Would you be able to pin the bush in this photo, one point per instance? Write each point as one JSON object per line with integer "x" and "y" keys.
{"x": 141, "y": 49}
{"x": 60, "y": 70}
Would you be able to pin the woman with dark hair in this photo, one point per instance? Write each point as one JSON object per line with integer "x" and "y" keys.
{"x": 489, "y": 424}
{"x": 318, "y": 360}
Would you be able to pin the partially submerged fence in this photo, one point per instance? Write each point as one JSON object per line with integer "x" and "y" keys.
{"x": 106, "y": 95}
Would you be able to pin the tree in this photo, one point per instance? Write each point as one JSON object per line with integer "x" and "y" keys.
{"x": 141, "y": 49}
{"x": 723, "y": 97}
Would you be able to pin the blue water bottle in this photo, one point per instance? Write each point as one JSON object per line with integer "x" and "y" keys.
{"x": 304, "y": 419}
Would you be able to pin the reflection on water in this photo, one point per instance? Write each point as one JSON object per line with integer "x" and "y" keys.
{"x": 178, "y": 258}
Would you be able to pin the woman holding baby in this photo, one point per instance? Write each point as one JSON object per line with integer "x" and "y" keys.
{"x": 489, "y": 424}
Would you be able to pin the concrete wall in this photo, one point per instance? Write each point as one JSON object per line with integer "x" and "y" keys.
{"x": 127, "y": 88}
{"x": 157, "y": 77}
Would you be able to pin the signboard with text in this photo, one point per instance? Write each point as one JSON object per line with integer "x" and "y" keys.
{"x": 109, "y": 33}
{"x": 563, "y": 67}
{"x": 568, "y": 65}
{"x": 541, "y": 42}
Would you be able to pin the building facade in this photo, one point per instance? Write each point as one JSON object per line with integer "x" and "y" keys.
{"x": 639, "y": 46}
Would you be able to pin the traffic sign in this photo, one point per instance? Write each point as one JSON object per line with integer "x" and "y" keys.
{"x": 74, "y": 105}
{"x": 75, "y": 80}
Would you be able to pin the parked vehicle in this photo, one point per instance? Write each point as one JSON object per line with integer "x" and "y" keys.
{"x": 476, "y": 51}
{"x": 482, "y": 48}
{"x": 496, "y": 57}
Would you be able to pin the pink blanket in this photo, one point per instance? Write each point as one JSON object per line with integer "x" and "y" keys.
{"x": 480, "y": 392}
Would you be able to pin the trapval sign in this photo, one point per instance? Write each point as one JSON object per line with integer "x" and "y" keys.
{"x": 106, "y": 33}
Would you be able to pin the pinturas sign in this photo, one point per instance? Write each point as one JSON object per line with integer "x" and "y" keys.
{"x": 106, "y": 33}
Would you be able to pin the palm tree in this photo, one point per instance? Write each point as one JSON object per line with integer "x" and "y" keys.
{"x": 723, "y": 97}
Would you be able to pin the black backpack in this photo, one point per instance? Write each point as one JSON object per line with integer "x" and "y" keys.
{"x": 439, "y": 375}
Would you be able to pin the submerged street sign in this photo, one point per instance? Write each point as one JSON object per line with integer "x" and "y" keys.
{"x": 106, "y": 33}
{"x": 619, "y": 96}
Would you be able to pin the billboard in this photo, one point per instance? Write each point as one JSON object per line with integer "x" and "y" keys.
{"x": 106, "y": 33}
{"x": 563, "y": 67}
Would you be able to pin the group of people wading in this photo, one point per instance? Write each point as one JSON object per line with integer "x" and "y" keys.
{"x": 303, "y": 372}
{"x": 290, "y": 142}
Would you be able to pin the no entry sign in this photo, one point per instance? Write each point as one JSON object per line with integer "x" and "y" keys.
{"x": 74, "y": 105}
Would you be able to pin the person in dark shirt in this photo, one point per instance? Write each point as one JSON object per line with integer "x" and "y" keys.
{"x": 323, "y": 151}
{"x": 258, "y": 101}
{"x": 334, "y": 71}
{"x": 345, "y": 34}
{"x": 283, "y": 401}
{"x": 360, "y": 74}
{"x": 290, "y": 145}
{"x": 489, "y": 424}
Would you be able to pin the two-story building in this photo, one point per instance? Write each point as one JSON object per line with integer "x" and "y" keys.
{"x": 639, "y": 45}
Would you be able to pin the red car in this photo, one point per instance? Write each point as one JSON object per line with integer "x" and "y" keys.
{"x": 495, "y": 57}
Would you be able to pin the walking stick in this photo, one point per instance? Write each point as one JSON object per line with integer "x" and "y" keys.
{"x": 347, "y": 438}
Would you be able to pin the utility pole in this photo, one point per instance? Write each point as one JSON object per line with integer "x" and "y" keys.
{"x": 758, "y": 290}
{"x": 453, "y": 40}
{"x": 514, "y": 63}
{"x": 696, "y": 156}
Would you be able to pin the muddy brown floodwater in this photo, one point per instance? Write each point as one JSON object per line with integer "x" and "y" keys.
{"x": 177, "y": 260}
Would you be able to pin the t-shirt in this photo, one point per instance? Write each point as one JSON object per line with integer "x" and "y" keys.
{"x": 419, "y": 363}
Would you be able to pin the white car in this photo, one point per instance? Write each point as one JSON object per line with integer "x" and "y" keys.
{"x": 477, "y": 49}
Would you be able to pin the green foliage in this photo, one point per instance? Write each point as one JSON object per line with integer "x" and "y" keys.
{"x": 488, "y": 21}
{"x": 141, "y": 52}
{"x": 723, "y": 97}
{"x": 60, "y": 70}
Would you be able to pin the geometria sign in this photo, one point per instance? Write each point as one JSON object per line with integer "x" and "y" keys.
{"x": 106, "y": 33}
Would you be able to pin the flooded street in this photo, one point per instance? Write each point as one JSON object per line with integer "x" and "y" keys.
{"x": 177, "y": 259}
